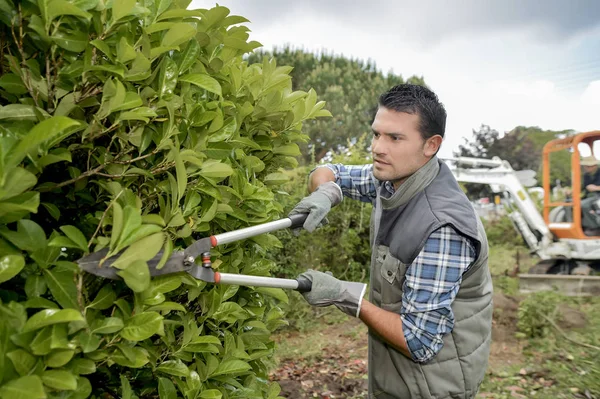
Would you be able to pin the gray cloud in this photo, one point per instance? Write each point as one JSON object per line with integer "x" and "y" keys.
{"x": 430, "y": 22}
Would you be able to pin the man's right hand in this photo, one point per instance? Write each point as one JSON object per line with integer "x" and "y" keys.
{"x": 318, "y": 204}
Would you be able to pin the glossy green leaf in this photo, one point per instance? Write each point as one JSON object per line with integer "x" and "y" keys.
{"x": 16, "y": 183}
{"x": 189, "y": 56}
{"x": 179, "y": 13}
{"x": 89, "y": 342}
{"x": 22, "y": 360}
{"x": 48, "y": 317}
{"x": 136, "y": 275}
{"x": 174, "y": 367}
{"x": 28, "y": 387}
{"x": 142, "y": 326}
{"x": 164, "y": 284}
{"x": 144, "y": 249}
{"x": 233, "y": 366}
{"x": 275, "y": 179}
{"x": 40, "y": 303}
{"x": 74, "y": 41}
{"x": 82, "y": 366}
{"x": 140, "y": 68}
{"x": 139, "y": 114}
{"x": 62, "y": 241}
{"x": 122, "y": 8}
{"x": 109, "y": 325}
{"x": 117, "y": 224}
{"x": 76, "y": 236}
{"x": 18, "y": 112}
{"x": 167, "y": 80}
{"x": 61, "y": 380}
{"x": 12, "y": 84}
{"x": 166, "y": 389}
{"x": 288, "y": 149}
{"x": 10, "y": 266}
{"x": 158, "y": 26}
{"x": 35, "y": 285}
{"x": 105, "y": 298}
{"x": 211, "y": 394}
{"x": 29, "y": 236}
{"x": 59, "y": 358}
{"x": 215, "y": 169}
{"x": 179, "y": 33}
{"x": 42, "y": 132}
{"x": 276, "y": 293}
{"x": 102, "y": 46}
{"x": 203, "y": 81}
{"x": 57, "y": 8}
{"x": 131, "y": 100}
{"x": 62, "y": 286}
{"x": 125, "y": 52}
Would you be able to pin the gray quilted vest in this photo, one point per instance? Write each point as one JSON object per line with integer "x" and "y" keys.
{"x": 400, "y": 226}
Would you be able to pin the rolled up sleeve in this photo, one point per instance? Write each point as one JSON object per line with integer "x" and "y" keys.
{"x": 432, "y": 282}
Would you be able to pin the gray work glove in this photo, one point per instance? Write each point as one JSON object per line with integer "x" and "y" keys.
{"x": 318, "y": 204}
{"x": 327, "y": 290}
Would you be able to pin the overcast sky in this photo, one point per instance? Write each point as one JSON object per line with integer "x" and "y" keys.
{"x": 503, "y": 63}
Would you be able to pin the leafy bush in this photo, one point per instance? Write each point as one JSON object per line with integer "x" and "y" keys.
{"x": 135, "y": 127}
{"x": 501, "y": 231}
{"x": 534, "y": 313}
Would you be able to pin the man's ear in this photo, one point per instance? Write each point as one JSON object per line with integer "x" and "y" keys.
{"x": 432, "y": 145}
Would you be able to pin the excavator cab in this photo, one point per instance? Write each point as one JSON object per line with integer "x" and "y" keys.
{"x": 574, "y": 216}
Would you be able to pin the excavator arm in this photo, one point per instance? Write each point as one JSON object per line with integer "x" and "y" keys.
{"x": 501, "y": 177}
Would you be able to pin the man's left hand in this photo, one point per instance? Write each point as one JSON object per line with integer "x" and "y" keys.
{"x": 591, "y": 187}
{"x": 327, "y": 290}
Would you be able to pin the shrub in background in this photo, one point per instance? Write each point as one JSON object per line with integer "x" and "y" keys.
{"x": 136, "y": 127}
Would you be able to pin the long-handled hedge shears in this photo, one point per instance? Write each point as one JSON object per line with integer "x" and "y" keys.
{"x": 185, "y": 261}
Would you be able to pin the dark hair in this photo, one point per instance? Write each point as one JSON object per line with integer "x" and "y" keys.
{"x": 415, "y": 99}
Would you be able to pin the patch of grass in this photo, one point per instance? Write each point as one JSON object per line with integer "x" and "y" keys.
{"x": 505, "y": 258}
{"x": 555, "y": 366}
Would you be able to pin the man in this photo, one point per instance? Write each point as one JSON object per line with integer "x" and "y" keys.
{"x": 591, "y": 176}
{"x": 590, "y": 221}
{"x": 429, "y": 311}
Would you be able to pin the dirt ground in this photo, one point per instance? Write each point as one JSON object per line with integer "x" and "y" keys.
{"x": 339, "y": 368}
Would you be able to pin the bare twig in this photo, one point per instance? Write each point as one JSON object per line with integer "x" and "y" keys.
{"x": 76, "y": 179}
{"x": 80, "y": 293}
{"x": 553, "y": 324}
{"x": 19, "y": 42}
{"x": 130, "y": 161}
{"x": 163, "y": 168}
{"x": 110, "y": 176}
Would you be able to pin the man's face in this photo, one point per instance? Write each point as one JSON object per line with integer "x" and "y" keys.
{"x": 398, "y": 148}
{"x": 590, "y": 169}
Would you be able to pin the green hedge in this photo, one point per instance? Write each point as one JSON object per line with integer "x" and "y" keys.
{"x": 137, "y": 127}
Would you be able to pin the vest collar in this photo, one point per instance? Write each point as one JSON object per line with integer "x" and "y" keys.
{"x": 416, "y": 183}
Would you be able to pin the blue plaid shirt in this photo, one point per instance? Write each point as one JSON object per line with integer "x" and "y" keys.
{"x": 432, "y": 280}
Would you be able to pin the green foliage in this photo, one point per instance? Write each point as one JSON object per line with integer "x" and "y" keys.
{"x": 535, "y": 312}
{"x": 351, "y": 89}
{"x": 136, "y": 127}
{"x": 502, "y": 231}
